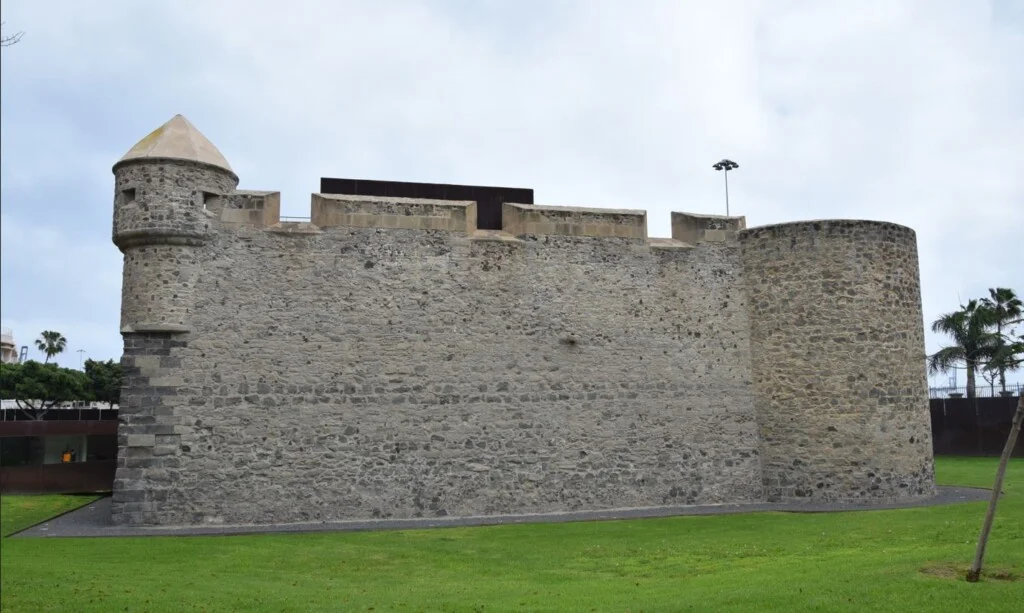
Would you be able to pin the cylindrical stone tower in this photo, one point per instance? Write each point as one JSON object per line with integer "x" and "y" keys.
{"x": 837, "y": 339}
{"x": 163, "y": 186}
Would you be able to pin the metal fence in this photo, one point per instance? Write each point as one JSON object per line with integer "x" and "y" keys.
{"x": 980, "y": 391}
{"x": 58, "y": 414}
{"x": 973, "y": 426}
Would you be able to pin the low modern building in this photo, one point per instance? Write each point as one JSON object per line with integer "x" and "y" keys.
{"x": 67, "y": 449}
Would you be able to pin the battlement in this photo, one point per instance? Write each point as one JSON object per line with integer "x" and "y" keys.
{"x": 261, "y": 209}
{"x": 574, "y": 221}
{"x": 694, "y": 229}
{"x": 331, "y": 210}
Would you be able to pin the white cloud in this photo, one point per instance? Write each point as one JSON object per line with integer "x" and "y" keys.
{"x": 51, "y": 281}
{"x": 906, "y": 111}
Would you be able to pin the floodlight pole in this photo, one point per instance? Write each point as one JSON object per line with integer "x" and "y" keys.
{"x": 726, "y": 173}
{"x": 726, "y": 166}
{"x": 80, "y": 360}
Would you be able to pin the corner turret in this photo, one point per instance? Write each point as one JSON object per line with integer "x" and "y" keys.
{"x": 166, "y": 188}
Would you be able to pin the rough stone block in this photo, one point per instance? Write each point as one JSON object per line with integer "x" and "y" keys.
{"x": 140, "y": 440}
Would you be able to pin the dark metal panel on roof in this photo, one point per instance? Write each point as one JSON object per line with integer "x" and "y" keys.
{"x": 489, "y": 199}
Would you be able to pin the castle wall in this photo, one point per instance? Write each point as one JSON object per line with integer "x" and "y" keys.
{"x": 358, "y": 368}
{"x": 389, "y": 359}
{"x": 838, "y": 360}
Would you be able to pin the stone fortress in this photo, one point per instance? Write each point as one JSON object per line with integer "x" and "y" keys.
{"x": 392, "y": 358}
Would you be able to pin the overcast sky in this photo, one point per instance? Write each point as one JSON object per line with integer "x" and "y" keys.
{"x": 903, "y": 111}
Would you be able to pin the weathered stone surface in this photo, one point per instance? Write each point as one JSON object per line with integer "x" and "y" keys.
{"x": 140, "y": 440}
{"x": 162, "y": 210}
{"x": 838, "y": 349}
{"x": 406, "y": 373}
{"x": 391, "y": 361}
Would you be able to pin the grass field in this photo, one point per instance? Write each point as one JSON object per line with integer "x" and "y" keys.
{"x": 905, "y": 560}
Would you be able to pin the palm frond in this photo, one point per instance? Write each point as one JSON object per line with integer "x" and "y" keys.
{"x": 946, "y": 359}
{"x": 953, "y": 324}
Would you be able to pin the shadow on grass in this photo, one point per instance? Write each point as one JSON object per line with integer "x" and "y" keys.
{"x": 21, "y": 512}
{"x": 957, "y": 572}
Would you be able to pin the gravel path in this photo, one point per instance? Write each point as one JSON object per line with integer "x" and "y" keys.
{"x": 94, "y": 519}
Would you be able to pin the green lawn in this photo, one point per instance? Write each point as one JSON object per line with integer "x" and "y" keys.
{"x": 906, "y": 560}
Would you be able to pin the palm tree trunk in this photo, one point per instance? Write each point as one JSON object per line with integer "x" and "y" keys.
{"x": 1002, "y": 370}
{"x": 970, "y": 380}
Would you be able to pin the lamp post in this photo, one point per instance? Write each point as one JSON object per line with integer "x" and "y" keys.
{"x": 726, "y": 165}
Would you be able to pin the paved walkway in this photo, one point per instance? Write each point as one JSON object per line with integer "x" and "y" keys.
{"x": 94, "y": 519}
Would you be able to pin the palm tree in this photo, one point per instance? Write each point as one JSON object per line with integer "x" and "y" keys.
{"x": 1005, "y": 309}
{"x": 51, "y": 343}
{"x": 973, "y": 343}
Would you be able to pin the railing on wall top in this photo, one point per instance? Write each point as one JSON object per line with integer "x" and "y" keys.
{"x": 980, "y": 391}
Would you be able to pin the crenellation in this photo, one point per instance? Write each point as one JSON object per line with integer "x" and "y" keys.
{"x": 331, "y": 210}
{"x": 695, "y": 229}
{"x": 520, "y": 219}
{"x": 254, "y": 209}
{"x": 388, "y": 358}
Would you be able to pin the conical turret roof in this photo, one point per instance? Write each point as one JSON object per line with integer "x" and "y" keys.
{"x": 177, "y": 139}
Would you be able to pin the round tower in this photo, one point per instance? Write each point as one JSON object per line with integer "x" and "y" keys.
{"x": 837, "y": 340}
{"x": 162, "y": 188}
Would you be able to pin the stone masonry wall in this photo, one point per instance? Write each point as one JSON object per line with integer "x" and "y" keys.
{"x": 161, "y": 214}
{"x": 838, "y": 360}
{"x": 157, "y": 282}
{"x": 149, "y": 433}
{"x": 357, "y": 372}
{"x": 165, "y": 198}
